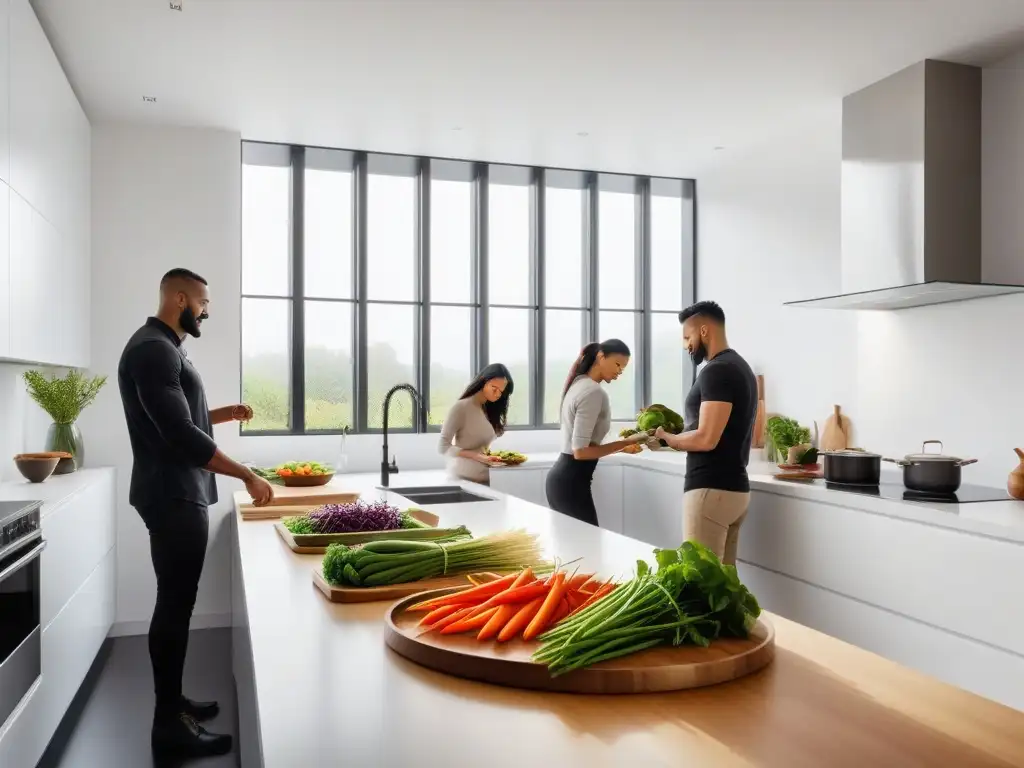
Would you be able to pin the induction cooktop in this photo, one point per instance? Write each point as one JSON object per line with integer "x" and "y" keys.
{"x": 967, "y": 494}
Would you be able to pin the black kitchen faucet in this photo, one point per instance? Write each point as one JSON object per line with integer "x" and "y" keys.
{"x": 419, "y": 418}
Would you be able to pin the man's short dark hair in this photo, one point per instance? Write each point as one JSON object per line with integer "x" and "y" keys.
{"x": 180, "y": 273}
{"x": 708, "y": 309}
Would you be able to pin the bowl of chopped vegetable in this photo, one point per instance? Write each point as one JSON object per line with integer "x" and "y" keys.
{"x": 304, "y": 474}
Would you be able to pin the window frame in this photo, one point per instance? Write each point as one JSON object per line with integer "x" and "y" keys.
{"x": 479, "y": 172}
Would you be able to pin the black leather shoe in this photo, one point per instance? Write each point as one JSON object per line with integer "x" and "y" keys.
{"x": 182, "y": 736}
{"x": 200, "y": 711}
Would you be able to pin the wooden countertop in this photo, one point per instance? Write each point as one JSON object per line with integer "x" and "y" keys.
{"x": 330, "y": 692}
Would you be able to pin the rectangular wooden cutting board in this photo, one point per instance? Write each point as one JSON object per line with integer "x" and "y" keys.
{"x": 317, "y": 543}
{"x": 292, "y": 501}
{"x": 390, "y": 592}
{"x": 319, "y": 494}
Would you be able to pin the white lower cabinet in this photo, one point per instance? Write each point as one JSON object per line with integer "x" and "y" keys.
{"x": 524, "y": 482}
{"x": 78, "y": 572}
{"x": 652, "y": 506}
{"x": 969, "y": 664}
{"x": 528, "y": 483}
{"x": 608, "y": 495}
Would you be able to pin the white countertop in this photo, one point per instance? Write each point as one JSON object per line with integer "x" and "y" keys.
{"x": 328, "y": 691}
{"x": 53, "y": 491}
{"x": 1002, "y": 520}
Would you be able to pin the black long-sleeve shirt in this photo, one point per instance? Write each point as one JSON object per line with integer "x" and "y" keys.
{"x": 168, "y": 420}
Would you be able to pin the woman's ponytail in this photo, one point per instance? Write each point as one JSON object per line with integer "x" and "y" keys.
{"x": 584, "y": 362}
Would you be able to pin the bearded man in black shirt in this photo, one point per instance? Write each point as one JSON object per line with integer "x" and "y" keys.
{"x": 174, "y": 462}
{"x": 719, "y": 419}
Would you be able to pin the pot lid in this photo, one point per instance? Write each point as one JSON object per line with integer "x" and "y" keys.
{"x": 852, "y": 452}
{"x": 927, "y": 455}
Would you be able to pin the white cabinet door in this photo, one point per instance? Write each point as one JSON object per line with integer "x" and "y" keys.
{"x": 607, "y": 490}
{"x": 5, "y": 90}
{"x": 653, "y": 507}
{"x": 34, "y": 109}
{"x": 525, "y": 483}
{"x": 46, "y": 126}
{"x": 5, "y": 272}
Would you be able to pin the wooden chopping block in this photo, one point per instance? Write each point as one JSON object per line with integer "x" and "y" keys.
{"x": 836, "y": 434}
{"x": 761, "y": 420}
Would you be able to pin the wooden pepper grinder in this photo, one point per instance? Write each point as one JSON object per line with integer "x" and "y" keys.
{"x": 1015, "y": 484}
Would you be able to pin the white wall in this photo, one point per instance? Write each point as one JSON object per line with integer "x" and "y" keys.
{"x": 166, "y": 197}
{"x": 23, "y": 424}
{"x": 768, "y": 232}
{"x": 162, "y": 197}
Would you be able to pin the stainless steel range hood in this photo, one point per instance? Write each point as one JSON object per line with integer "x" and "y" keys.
{"x": 911, "y": 192}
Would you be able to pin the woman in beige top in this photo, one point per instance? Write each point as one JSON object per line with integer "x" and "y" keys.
{"x": 474, "y": 421}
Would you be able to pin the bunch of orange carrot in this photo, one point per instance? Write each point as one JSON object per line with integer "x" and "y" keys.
{"x": 517, "y": 605}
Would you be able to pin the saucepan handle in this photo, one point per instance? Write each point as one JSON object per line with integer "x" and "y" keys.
{"x": 926, "y": 443}
{"x": 897, "y": 462}
{"x": 965, "y": 462}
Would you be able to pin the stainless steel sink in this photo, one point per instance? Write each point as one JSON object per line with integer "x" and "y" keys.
{"x": 438, "y": 494}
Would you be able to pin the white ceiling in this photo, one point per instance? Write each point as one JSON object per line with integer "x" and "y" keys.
{"x": 657, "y": 84}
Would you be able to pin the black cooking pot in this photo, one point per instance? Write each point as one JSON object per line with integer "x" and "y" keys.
{"x": 851, "y": 467}
{"x": 931, "y": 472}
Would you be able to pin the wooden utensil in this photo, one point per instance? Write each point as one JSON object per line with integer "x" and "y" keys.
{"x": 665, "y": 668}
{"x": 836, "y": 434}
{"x": 760, "y": 421}
{"x": 1015, "y": 484}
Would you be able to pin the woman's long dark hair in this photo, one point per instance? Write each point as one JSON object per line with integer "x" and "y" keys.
{"x": 496, "y": 412}
{"x": 588, "y": 356}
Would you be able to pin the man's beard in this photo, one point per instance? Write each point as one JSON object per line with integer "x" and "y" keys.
{"x": 700, "y": 354}
{"x": 189, "y": 323}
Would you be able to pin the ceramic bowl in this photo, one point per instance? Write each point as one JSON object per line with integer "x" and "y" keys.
{"x": 36, "y": 467}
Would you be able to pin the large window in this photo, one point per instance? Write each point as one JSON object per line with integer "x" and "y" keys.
{"x": 361, "y": 271}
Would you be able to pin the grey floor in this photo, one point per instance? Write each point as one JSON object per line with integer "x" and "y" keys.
{"x": 112, "y": 729}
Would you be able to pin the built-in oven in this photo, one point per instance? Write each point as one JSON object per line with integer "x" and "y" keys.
{"x": 21, "y": 544}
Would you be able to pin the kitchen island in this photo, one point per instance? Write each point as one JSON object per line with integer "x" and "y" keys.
{"x": 317, "y": 685}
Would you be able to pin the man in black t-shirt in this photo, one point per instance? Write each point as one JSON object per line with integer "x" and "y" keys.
{"x": 719, "y": 417}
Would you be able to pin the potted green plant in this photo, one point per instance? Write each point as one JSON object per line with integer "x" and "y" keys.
{"x": 64, "y": 399}
{"x": 783, "y": 434}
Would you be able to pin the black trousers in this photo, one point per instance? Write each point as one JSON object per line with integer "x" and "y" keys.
{"x": 178, "y": 532}
{"x": 568, "y": 488}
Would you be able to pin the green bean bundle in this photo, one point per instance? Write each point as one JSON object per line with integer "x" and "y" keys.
{"x": 379, "y": 563}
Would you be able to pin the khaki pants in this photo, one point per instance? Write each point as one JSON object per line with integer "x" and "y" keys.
{"x": 713, "y": 518}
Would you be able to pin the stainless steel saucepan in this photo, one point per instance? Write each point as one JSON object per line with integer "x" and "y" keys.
{"x": 931, "y": 472}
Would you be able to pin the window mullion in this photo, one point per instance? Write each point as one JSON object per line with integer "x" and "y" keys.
{"x": 643, "y": 290}
{"x": 359, "y": 375}
{"x": 689, "y": 257}
{"x": 298, "y": 290}
{"x": 480, "y": 229}
{"x": 590, "y": 277}
{"x": 537, "y": 318}
{"x": 423, "y": 296}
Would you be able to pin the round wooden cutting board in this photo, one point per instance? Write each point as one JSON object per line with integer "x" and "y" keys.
{"x": 509, "y": 664}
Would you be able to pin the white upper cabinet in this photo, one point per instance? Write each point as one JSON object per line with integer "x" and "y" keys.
{"x": 5, "y": 83}
{"x": 5, "y": 273}
{"x": 45, "y": 153}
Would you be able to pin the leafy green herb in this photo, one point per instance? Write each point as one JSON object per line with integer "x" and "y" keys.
{"x": 65, "y": 398}
{"x": 786, "y": 433}
{"x": 692, "y": 598}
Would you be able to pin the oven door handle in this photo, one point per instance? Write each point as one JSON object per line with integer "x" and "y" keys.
{"x": 21, "y": 562}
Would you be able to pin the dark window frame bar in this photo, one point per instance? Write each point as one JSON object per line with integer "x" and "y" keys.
{"x": 478, "y": 303}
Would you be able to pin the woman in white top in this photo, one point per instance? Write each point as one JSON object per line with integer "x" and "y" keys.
{"x": 585, "y": 419}
{"x": 472, "y": 424}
